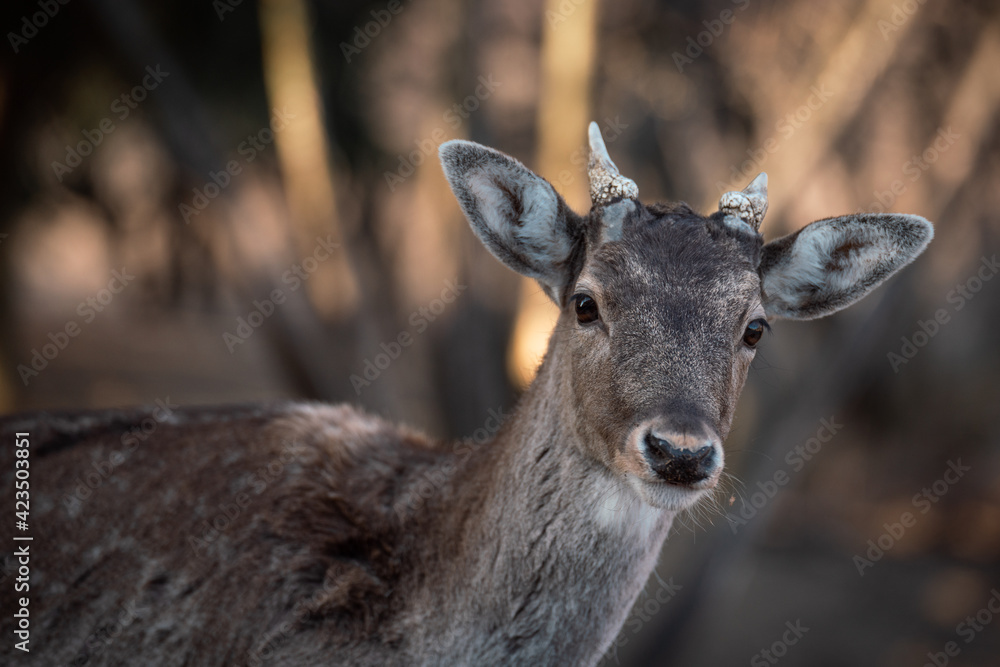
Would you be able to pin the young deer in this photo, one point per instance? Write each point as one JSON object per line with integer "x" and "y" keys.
{"x": 304, "y": 534}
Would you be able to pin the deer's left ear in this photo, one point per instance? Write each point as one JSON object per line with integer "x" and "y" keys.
{"x": 830, "y": 264}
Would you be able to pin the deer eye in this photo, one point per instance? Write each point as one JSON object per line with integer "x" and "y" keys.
{"x": 754, "y": 332}
{"x": 586, "y": 309}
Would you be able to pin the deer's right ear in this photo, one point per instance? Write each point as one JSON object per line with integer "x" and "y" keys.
{"x": 517, "y": 215}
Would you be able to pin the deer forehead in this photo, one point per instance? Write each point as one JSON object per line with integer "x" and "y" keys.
{"x": 680, "y": 264}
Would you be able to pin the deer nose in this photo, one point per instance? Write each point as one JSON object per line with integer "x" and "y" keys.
{"x": 674, "y": 465}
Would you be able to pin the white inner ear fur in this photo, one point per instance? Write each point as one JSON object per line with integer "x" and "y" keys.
{"x": 534, "y": 234}
{"x": 809, "y": 259}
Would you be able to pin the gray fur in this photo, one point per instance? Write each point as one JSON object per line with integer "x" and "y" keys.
{"x": 364, "y": 543}
{"x": 612, "y": 218}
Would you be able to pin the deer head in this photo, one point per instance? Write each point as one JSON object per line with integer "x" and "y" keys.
{"x": 662, "y": 308}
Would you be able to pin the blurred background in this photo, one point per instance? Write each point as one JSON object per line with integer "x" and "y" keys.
{"x": 226, "y": 201}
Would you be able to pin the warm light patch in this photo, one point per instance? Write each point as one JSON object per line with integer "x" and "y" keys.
{"x": 62, "y": 259}
{"x": 563, "y": 114}
{"x": 536, "y": 317}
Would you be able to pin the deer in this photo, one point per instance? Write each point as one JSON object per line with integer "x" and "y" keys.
{"x": 301, "y": 533}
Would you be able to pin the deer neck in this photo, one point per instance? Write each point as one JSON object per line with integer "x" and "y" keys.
{"x": 556, "y": 546}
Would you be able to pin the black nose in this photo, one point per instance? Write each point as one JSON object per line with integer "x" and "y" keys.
{"x": 679, "y": 466}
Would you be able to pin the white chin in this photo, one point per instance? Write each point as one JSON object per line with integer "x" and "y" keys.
{"x": 667, "y": 496}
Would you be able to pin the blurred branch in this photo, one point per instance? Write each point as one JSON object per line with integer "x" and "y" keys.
{"x": 298, "y": 335}
{"x": 184, "y": 121}
{"x": 302, "y": 146}
{"x": 568, "y": 48}
{"x": 851, "y": 72}
{"x": 973, "y": 112}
